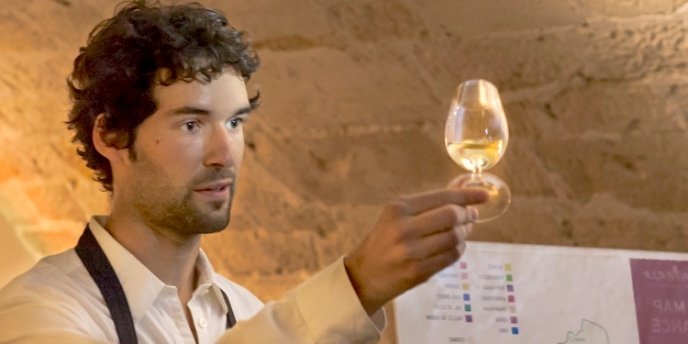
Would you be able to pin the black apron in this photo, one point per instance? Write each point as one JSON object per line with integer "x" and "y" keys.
{"x": 98, "y": 266}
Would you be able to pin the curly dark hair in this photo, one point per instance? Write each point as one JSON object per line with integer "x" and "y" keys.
{"x": 115, "y": 72}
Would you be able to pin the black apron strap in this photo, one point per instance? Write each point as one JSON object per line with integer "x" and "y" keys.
{"x": 98, "y": 266}
{"x": 231, "y": 320}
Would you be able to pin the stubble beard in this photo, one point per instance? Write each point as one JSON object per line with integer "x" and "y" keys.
{"x": 171, "y": 209}
{"x": 179, "y": 213}
{"x": 183, "y": 217}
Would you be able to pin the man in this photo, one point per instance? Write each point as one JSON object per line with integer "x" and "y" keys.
{"x": 159, "y": 104}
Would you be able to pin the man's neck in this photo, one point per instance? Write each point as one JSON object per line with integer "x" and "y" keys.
{"x": 171, "y": 258}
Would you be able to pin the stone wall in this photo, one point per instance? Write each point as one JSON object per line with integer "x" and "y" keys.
{"x": 355, "y": 98}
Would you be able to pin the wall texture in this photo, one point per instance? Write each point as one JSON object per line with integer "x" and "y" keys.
{"x": 355, "y": 97}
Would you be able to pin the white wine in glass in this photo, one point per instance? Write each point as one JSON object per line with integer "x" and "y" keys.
{"x": 476, "y": 136}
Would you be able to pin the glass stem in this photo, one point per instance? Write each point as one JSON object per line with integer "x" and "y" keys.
{"x": 477, "y": 173}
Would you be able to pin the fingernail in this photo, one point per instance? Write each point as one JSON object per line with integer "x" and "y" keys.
{"x": 472, "y": 214}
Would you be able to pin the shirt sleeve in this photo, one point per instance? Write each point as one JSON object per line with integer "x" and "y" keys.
{"x": 324, "y": 309}
{"x": 18, "y": 324}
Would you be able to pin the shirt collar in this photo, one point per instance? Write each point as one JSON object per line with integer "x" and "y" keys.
{"x": 140, "y": 285}
{"x": 207, "y": 278}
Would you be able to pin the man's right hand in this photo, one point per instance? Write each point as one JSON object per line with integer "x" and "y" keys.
{"x": 415, "y": 237}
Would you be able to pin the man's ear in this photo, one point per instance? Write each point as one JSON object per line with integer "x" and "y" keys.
{"x": 109, "y": 143}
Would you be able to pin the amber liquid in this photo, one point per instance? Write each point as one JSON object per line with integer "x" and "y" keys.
{"x": 476, "y": 155}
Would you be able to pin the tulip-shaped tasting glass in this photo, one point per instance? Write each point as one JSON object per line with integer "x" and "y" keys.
{"x": 476, "y": 136}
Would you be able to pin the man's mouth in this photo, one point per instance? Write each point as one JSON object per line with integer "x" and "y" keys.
{"x": 216, "y": 190}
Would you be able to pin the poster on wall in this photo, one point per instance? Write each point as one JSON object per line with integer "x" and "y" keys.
{"x": 504, "y": 293}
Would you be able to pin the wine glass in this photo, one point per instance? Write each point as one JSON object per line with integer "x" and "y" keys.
{"x": 476, "y": 136}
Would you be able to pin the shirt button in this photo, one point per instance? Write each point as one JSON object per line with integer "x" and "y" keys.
{"x": 202, "y": 323}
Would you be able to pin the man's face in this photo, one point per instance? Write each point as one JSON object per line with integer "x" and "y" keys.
{"x": 186, "y": 156}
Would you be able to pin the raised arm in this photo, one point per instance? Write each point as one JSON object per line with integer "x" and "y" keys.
{"x": 414, "y": 238}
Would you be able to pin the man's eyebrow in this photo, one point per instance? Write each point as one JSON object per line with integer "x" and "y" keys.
{"x": 243, "y": 111}
{"x": 193, "y": 110}
{"x": 190, "y": 110}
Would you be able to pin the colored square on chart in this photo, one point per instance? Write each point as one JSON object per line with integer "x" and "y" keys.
{"x": 466, "y": 286}
{"x": 469, "y": 318}
{"x": 510, "y": 288}
{"x": 514, "y": 320}
{"x": 464, "y": 275}
{"x": 514, "y": 330}
{"x": 512, "y": 309}
{"x": 512, "y": 299}
{"x": 467, "y": 297}
{"x": 463, "y": 265}
{"x": 507, "y": 267}
{"x": 467, "y": 308}
{"x": 509, "y": 278}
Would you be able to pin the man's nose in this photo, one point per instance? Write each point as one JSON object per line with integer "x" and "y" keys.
{"x": 219, "y": 147}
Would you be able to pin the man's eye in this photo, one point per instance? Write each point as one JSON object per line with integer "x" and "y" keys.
{"x": 191, "y": 126}
{"x": 235, "y": 122}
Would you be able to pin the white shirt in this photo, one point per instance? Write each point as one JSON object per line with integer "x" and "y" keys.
{"x": 58, "y": 302}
